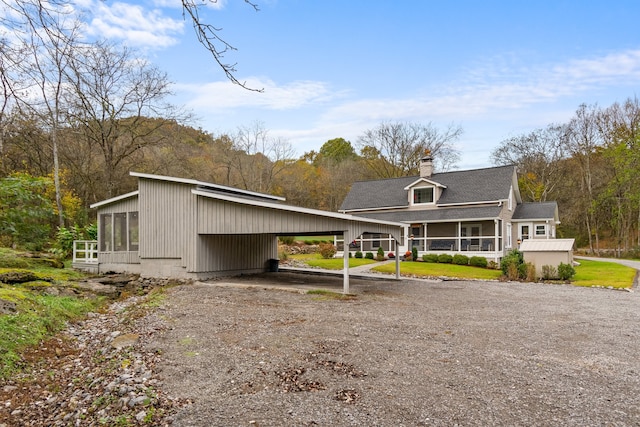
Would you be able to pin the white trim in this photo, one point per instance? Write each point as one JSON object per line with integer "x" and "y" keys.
{"x": 393, "y": 208}
{"x": 435, "y": 184}
{"x": 114, "y": 199}
{"x": 486, "y": 202}
{"x": 204, "y": 184}
{"x": 296, "y": 209}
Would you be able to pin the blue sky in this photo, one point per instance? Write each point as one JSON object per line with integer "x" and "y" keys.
{"x": 337, "y": 68}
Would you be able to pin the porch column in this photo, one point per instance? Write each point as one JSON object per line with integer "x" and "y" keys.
{"x": 460, "y": 237}
{"x": 424, "y": 242}
{"x": 495, "y": 234}
{"x": 345, "y": 272}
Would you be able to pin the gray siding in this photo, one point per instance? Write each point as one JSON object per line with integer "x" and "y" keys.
{"x": 167, "y": 218}
{"x": 235, "y": 252}
{"x": 126, "y": 205}
{"x": 221, "y": 217}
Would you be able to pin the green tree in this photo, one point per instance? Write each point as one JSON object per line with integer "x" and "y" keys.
{"x": 26, "y": 214}
{"x": 337, "y": 150}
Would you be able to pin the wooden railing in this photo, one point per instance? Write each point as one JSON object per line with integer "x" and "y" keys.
{"x": 85, "y": 251}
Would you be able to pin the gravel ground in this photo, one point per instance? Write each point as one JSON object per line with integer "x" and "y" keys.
{"x": 397, "y": 353}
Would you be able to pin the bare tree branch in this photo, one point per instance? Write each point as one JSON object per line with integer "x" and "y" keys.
{"x": 209, "y": 36}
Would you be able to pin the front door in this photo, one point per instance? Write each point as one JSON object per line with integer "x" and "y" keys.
{"x": 470, "y": 235}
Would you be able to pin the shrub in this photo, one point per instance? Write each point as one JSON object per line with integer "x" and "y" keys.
{"x": 549, "y": 272}
{"x": 478, "y": 261}
{"x": 369, "y": 255}
{"x": 492, "y": 265}
{"x": 530, "y": 272}
{"x": 566, "y": 271}
{"x": 445, "y": 258}
{"x": 358, "y": 254}
{"x": 414, "y": 254}
{"x": 286, "y": 240}
{"x": 430, "y": 258}
{"x": 391, "y": 255}
{"x": 513, "y": 257}
{"x": 407, "y": 256}
{"x": 460, "y": 259}
{"x": 327, "y": 250}
{"x": 350, "y": 255}
{"x": 380, "y": 254}
{"x": 512, "y": 272}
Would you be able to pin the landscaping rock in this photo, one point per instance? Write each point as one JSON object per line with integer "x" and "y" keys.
{"x": 7, "y": 307}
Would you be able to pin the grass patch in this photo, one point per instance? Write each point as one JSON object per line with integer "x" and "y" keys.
{"x": 427, "y": 269}
{"x": 338, "y": 263}
{"x": 37, "y": 318}
{"x": 325, "y": 295}
{"x": 600, "y": 273}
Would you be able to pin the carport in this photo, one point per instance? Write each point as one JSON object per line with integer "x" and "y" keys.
{"x": 235, "y": 215}
{"x": 184, "y": 228}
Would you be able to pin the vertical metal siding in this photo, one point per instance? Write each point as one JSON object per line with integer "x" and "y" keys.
{"x": 167, "y": 220}
{"x": 235, "y": 252}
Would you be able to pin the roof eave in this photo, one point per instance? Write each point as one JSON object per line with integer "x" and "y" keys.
{"x": 114, "y": 199}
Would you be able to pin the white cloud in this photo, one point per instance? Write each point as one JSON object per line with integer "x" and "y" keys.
{"x": 224, "y": 95}
{"x": 134, "y": 25}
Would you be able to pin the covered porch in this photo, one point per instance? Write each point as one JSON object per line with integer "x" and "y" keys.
{"x": 472, "y": 238}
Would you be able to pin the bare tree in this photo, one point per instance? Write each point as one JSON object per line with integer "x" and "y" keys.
{"x": 539, "y": 157}
{"x": 112, "y": 98}
{"x": 395, "y": 149}
{"x": 257, "y": 158}
{"x": 209, "y": 36}
{"x": 45, "y": 36}
{"x": 584, "y": 139}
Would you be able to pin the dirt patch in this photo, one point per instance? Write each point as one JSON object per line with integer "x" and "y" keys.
{"x": 399, "y": 353}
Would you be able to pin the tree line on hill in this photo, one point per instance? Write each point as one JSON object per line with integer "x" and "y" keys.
{"x": 77, "y": 116}
{"x": 590, "y": 165}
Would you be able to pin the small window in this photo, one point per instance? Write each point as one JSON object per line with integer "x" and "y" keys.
{"x": 376, "y": 242}
{"x": 423, "y": 195}
{"x": 541, "y": 230}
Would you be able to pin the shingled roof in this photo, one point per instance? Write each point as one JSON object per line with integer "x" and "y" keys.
{"x": 536, "y": 211}
{"x": 468, "y": 186}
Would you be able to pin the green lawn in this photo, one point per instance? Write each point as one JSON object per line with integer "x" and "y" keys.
{"x": 588, "y": 273}
{"x": 599, "y": 273}
{"x": 426, "y": 269}
{"x": 315, "y": 260}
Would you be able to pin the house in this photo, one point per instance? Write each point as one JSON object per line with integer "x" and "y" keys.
{"x": 474, "y": 212}
{"x": 183, "y": 228}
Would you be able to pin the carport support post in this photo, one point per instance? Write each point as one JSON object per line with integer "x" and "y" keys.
{"x": 345, "y": 273}
{"x": 397, "y": 262}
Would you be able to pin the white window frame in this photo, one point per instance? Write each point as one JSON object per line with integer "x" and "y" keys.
{"x": 433, "y": 194}
{"x": 544, "y": 230}
{"x": 508, "y": 243}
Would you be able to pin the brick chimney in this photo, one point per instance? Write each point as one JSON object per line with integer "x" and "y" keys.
{"x": 426, "y": 165}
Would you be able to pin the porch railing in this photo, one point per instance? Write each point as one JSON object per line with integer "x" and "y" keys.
{"x": 85, "y": 251}
{"x": 457, "y": 244}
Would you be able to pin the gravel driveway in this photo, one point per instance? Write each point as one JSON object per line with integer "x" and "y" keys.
{"x": 399, "y": 353}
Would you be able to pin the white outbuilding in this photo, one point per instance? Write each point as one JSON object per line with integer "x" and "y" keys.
{"x": 552, "y": 252}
